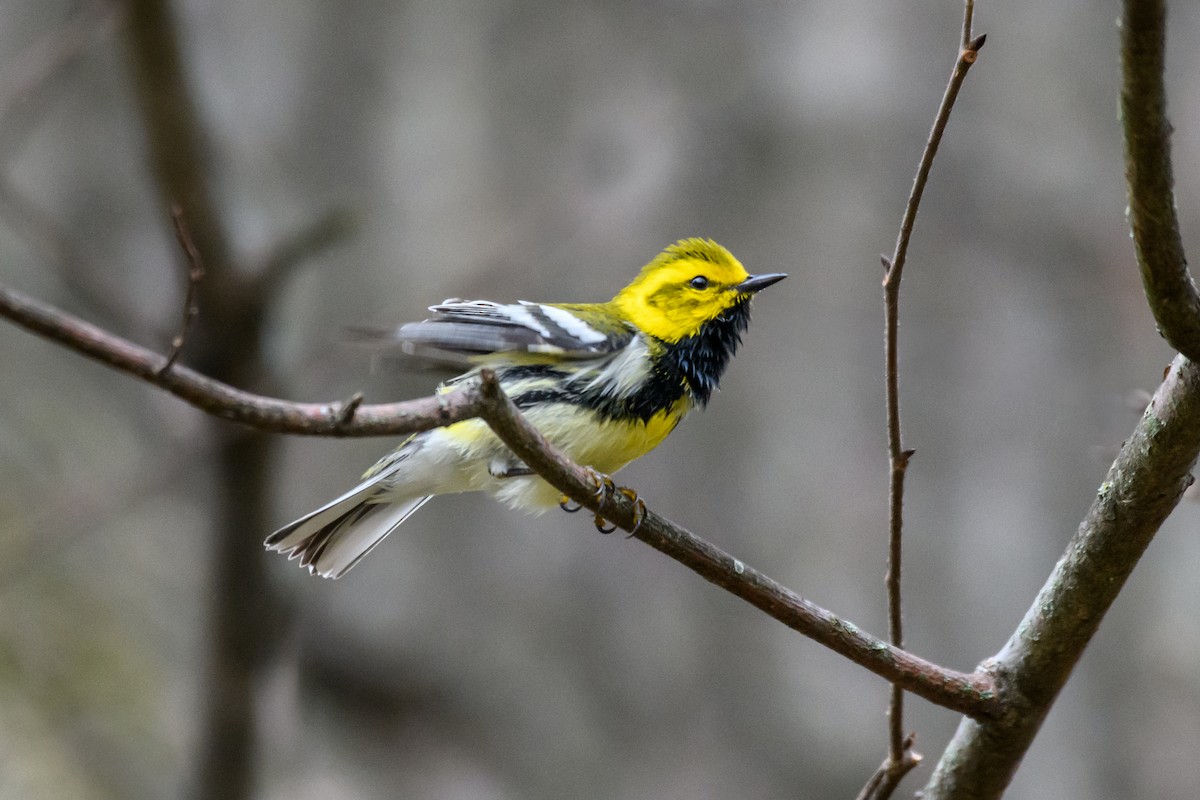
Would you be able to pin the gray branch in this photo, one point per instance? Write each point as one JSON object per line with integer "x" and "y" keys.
{"x": 1143, "y": 485}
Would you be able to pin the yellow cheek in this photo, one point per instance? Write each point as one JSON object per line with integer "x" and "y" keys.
{"x": 670, "y": 322}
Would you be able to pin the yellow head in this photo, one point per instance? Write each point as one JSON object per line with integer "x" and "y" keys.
{"x": 690, "y": 283}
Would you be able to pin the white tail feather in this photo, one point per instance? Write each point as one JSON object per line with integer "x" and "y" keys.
{"x": 336, "y": 536}
{"x": 351, "y": 543}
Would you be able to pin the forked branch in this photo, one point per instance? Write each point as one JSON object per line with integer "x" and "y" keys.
{"x": 1143, "y": 485}
{"x": 972, "y": 694}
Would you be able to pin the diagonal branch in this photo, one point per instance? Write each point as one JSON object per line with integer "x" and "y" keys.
{"x": 972, "y": 694}
{"x": 222, "y": 400}
{"x": 938, "y": 685}
{"x": 1143, "y": 485}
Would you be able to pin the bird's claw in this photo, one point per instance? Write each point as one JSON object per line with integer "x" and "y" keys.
{"x": 603, "y": 484}
{"x": 604, "y": 489}
{"x": 639, "y": 510}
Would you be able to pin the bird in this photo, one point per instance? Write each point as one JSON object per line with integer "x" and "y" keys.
{"x": 605, "y": 383}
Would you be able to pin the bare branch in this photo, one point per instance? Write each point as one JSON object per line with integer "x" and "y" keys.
{"x": 195, "y": 275}
{"x": 973, "y": 694}
{"x": 943, "y": 687}
{"x": 966, "y": 57}
{"x": 222, "y": 400}
{"x": 1141, "y": 489}
{"x": 1168, "y": 285}
{"x": 900, "y": 758}
{"x": 1144, "y": 483}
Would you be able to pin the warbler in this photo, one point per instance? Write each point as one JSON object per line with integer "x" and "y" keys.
{"x": 603, "y": 382}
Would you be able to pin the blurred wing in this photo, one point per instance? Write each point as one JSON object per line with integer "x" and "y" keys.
{"x": 467, "y": 330}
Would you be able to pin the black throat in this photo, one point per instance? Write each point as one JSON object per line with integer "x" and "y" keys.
{"x": 700, "y": 360}
{"x": 692, "y": 365}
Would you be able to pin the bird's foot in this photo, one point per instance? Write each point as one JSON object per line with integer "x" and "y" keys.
{"x": 605, "y": 488}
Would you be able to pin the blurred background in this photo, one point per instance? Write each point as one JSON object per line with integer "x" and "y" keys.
{"x": 377, "y": 157}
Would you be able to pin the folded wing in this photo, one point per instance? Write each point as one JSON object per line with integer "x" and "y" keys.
{"x": 462, "y": 331}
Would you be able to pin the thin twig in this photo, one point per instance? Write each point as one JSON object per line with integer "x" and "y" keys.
{"x": 195, "y": 275}
{"x": 898, "y": 456}
{"x": 972, "y": 694}
{"x": 898, "y": 461}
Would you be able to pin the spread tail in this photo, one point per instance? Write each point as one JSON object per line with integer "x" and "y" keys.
{"x": 335, "y": 537}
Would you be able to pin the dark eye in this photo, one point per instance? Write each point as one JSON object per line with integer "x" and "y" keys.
{"x": 698, "y": 282}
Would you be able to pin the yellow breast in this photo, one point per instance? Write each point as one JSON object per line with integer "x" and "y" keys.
{"x": 586, "y": 439}
{"x": 606, "y": 445}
